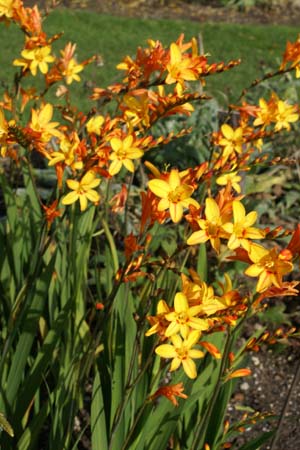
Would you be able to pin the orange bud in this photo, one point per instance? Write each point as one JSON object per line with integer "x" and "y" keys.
{"x": 239, "y": 373}
{"x": 231, "y": 357}
{"x": 212, "y": 349}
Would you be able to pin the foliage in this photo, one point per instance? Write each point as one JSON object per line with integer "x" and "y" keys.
{"x": 120, "y": 311}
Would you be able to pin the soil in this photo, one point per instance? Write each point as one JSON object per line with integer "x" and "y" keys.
{"x": 275, "y": 382}
{"x": 274, "y": 12}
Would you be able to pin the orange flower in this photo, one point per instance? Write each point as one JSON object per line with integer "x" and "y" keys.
{"x": 51, "y": 212}
{"x": 292, "y": 55}
{"x": 170, "y": 392}
{"x": 294, "y": 244}
{"x": 118, "y": 201}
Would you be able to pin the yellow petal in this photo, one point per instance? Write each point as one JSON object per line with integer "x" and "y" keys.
{"x": 46, "y": 114}
{"x": 70, "y": 198}
{"x": 190, "y": 368}
{"x": 115, "y": 167}
{"x": 166, "y": 351}
{"x": 250, "y": 219}
{"x": 176, "y": 362}
{"x": 175, "y": 54}
{"x": 180, "y": 302}
{"x": 116, "y": 144}
{"x": 238, "y": 211}
{"x": 129, "y": 165}
{"x": 196, "y": 354}
{"x": 93, "y": 196}
{"x": 163, "y": 204}
{"x": 73, "y": 184}
{"x": 172, "y": 329}
{"x": 254, "y": 270}
{"x": 83, "y": 202}
{"x": 198, "y": 237}
{"x": 212, "y": 211}
{"x": 193, "y": 338}
{"x": 227, "y": 131}
{"x": 257, "y": 252}
{"x": 176, "y": 212}
{"x": 174, "y": 179}
{"x": 159, "y": 187}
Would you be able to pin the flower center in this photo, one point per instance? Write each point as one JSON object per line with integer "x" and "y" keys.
{"x": 182, "y": 318}
{"x": 182, "y": 352}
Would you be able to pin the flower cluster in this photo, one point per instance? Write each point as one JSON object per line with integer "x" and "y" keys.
{"x": 197, "y": 311}
{"x": 87, "y": 151}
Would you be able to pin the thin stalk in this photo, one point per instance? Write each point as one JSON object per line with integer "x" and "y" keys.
{"x": 126, "y": 205}
{"x": 267, "y": 76}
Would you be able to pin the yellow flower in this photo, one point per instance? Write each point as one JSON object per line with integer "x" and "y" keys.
{"x": 181, "y": 352}
{"x": 71, "y": 71}
{"x": 67, "y": 153}
{"x": 285, "y": 115}
{"x": 200, "y": 294}
{"x": 6, "y": 8}
{"x": 241, "y": 230}
{"x": 40, "y": 122}
{"x": 211, "y": 227}
{"x": 83, "y": 190}
{"x": 158, "y": 322}
{"x": 123, "y": 154}
{"x": 269, "y": 266}
{"x": 266, "y": 113}
{"x": 180, "y": 68}
{"x": 232, "y": 141}
{"x": 183, "y": 318}
{"x": 233, "y": 178}
{"x": 276, "y": 111}
{"x": 94, "y": 125}
{"x": 175, "y": 195}
{"x": 137, "y": 109}
{"x": 35, "y": 58}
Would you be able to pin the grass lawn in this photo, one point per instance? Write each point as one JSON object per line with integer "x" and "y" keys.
{"x": 260, "y": 47}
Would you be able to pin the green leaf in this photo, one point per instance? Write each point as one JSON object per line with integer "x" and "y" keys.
{"x": 98, "y": 421}
{"x": 5, "y": 425}
{"x": 202, "y": 262}
{"x": 28, "y": 439}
